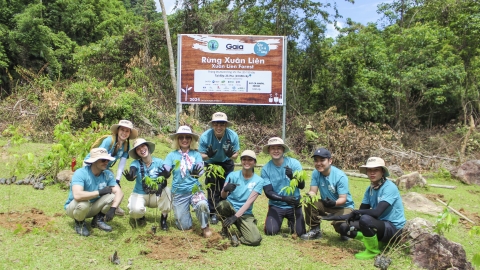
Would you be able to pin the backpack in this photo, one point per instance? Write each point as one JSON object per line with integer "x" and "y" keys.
{"x": 99, "y": 141}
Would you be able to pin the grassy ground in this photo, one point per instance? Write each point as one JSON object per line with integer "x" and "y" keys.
{"x": 45, "y": 238}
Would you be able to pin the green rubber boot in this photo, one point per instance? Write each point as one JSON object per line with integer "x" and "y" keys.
{"x": 371, "y": 248}
{"x": 359, "y": 236}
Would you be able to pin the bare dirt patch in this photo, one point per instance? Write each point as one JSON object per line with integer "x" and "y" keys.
{"x": 472, "y": 216}
{"x": 320, "y": 252}
{"x": 184, "y": 246}
{"x": 25, "y": 222}
{"x": 434, "y": 197}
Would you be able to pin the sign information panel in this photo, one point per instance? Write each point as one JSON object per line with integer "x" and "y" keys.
{"x": 229, "y": 69}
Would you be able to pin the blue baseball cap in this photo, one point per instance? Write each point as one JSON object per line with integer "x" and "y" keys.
{"x": 322, "y": 152}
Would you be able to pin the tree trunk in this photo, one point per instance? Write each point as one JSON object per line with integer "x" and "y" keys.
{"x": 169, "y": 47}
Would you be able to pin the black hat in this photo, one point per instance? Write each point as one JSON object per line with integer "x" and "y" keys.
{"x": 322, "y": 152}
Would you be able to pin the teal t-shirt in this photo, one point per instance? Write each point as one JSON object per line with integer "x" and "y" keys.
{"x": 333, "y": 185}
{"x": 85, "y": 178}
{"x": 208, "y": 138}
{"x": 110, "y": 146}
{"x": 151, "y": 171}
{"x": 389, "y": 193}
{"x": 245, "y": 187}
{"x": 183, "y": 185}
{"x": 275, "y": 175}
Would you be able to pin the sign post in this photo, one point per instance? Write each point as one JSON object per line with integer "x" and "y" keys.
{"x": 231, "y": 70}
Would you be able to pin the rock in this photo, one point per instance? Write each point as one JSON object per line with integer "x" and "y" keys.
{"x": 432, "y": 251}
{"x": 41, "y": 186}
{"x": 468, "y": 172}
{"x": 8, "y": 181}
{"x": 410, "y": 180}
{"x": 19, "y": 182}
{"x": 395, "y": 170}
{"x": 3, "y": 181}
{"x": 417, "y": 202}
{"x": 65, "y": 177}
{"x": 13, "y": 179}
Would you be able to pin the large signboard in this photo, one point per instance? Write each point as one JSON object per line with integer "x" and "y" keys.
{"x": 230, "y": 69}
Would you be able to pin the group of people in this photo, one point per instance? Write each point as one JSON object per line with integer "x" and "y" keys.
{"x": 96, "y": 192}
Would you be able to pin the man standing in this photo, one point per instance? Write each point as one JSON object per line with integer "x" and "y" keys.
{"x": 93, "y": 193}
{"x": 335, "y": 195}
{"x": 277, "y": 174}
{"x": 218, "y": 145}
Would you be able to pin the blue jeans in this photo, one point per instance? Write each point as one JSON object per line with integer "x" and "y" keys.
{"x": 181, "y": 210}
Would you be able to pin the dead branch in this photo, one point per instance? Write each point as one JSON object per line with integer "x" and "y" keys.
{"x": 455, "y": 211}
{"x": 442, "y": 186}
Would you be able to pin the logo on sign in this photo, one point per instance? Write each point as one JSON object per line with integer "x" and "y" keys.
{"x": 261, "y": 48}
{"x": 212, "y": 45}
{"x": 234, "y": 47}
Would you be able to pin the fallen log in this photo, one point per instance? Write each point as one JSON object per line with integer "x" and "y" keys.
{"x": 442, "y": 186}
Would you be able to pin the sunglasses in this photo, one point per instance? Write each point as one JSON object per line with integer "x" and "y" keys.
{"x": 104, "y": 160}
{"x": 181, "y": 138}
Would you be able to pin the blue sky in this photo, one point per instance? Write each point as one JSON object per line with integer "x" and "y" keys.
{"x": 363, "y": 11}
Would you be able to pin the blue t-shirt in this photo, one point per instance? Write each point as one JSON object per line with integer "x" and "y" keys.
{"x": 333, "y": 185}
{"x": 389, "y": 193}
{"x": 245, "y": 187}
{"x": 110, "y": 146}
{"x": 275, "y": 176}
{"x": 152, "y": 171}
{"x": 183, "y": 185}
{"x": 208, "y": 138}
{"x": 85, "y": 178}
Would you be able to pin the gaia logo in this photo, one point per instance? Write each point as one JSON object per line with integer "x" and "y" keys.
{"x": 212, "y": 45}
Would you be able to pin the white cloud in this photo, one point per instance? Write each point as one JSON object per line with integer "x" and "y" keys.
{"x": 331, "y": 31}
{"x": 169, "y": 5}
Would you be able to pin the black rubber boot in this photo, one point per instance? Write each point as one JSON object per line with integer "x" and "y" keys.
{"x": 98, "y": 221}
{"x": 81, "y": 228}
{"x": 163, "y": 222}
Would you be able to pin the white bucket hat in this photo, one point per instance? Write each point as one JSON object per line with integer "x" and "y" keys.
{"x": 375, "y": 162}
{"x": 275, "y": 141}
{"x": 138, "y": 142}
{"x": 127, "y": 124}
{"x": 248, "y": 153}
{"x": 99, "y": 153}
{"x": 184, "y": 130}
{"x": 219, "y": 117}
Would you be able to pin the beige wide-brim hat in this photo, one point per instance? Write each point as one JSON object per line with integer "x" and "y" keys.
{"x": 127, "y": 124}
{"x": 375, "y": 162}
{"x": 248, "y": 153}
{"x": 138, "y": 142}
{"x": 219, "y": 117}
{"x": 99, "y": 153}
{"x": 184, "y": 130}
{"x": 275, "y": 141}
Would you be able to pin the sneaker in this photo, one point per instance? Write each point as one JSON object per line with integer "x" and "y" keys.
{"x": 345, "y": 238}
{"x": 163, "y": 222}
{"x": 207, "y": 232}
{"x": 213, "y": 219}
{"x": 234, "y": 241}
{"x": 312, "y": 235}
{"x": 98, "y": 221}
{"x": 81, "y": 228}
{"x": 140, "y": 222}
{"x": 119, "y": 211}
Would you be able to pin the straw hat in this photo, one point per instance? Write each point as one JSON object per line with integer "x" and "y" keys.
{"x": 127, "y": 124}
{"x": 99, "y": 153}
{"x": 375, "y": 162}
{"x": 275, "y": 141}
{"x": 138, "y": 142}
{"x": 184, "y": 130}
{"x": 219, "y": 117}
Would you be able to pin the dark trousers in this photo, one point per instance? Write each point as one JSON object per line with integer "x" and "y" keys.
{"x": 217, "y": 184}
{"x": 275, "y": 217}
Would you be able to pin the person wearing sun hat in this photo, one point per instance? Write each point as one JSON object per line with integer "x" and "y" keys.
{"x": 336, "y": 199}
{"x": 218, "y": 145}
{"x": 241, "y": 189}
{"x": 381, "y": 215}
{"x": 146, "y": 165}
{"x": 117, "y": 145}
{"x": 185, "y": 178}
{"x": 93, "y": 193}
{"x": 277, "y": 174}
